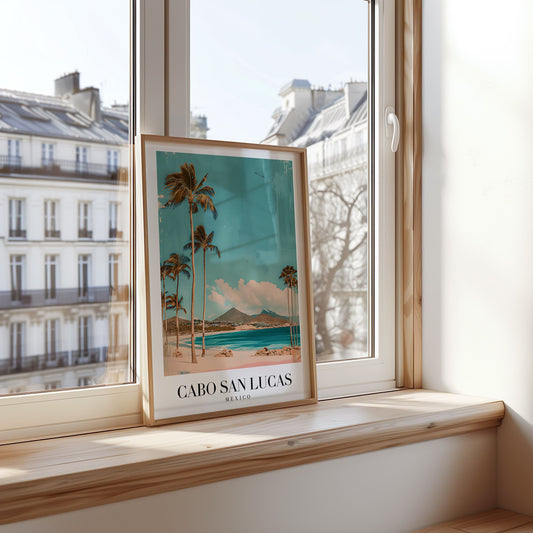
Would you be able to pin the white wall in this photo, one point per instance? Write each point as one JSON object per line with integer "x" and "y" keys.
{"x": 478, "y": 217}
{"x": 389, "y": 491}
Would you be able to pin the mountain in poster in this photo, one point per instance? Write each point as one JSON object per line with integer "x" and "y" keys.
{"x": 238, "y": 317}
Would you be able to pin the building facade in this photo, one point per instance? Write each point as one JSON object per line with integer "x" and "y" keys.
{"x": 333, "y": 126}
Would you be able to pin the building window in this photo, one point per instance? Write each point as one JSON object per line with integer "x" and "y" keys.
{"x": 81, "y": 159}
{"x": 17, "y": 218}
{"x": 17, "y": 338}
{"x": 84, "y": 336}
{"x": 51, "y": 332}
{"x": 85, "y": 381}
{"x": 113, "y": 272}
{"x": 47, "y": 155}
{"x": 51, "y": 225}
{"x": 84, "y": 272}
{"x": 52, "y": 385}
{"x": 112, "y": 161}
{"x": 84, "y": 221}
{"x": 114, "y": 233}
{"x": 114, "y": 324}
{"x": 50, "y": 277}
{"x": 17, "y": 267}
{"x": 13, "y": 153}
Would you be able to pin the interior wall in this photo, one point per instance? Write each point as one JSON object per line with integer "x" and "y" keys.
{"x": 478, "y": 217}
{"x": 389, "y": 491}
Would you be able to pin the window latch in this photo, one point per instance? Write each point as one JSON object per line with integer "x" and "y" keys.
{"x": 392, "y": 120}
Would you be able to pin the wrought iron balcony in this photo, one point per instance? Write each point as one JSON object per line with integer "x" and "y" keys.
{"x": 63, "y": 359}
{"x": 84, "y": 233}
{"x": 52, "y": 234}
{"x": 15, "y": 233}
{"x": 17, "y": 299}
{"x": 62, "y": 168}
{"x": 114, "y": 233}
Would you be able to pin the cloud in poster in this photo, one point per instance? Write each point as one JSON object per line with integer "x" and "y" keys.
{"x": 251, "y": 297}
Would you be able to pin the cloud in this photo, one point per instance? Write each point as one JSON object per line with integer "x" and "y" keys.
{"x": 250, "y": 298}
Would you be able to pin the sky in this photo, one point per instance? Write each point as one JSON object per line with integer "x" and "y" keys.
{"x": 254, "y": 231}
{"x": 242, "y": 52}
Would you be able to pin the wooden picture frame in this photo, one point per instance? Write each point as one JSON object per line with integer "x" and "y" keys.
{"x": 230, "y": 220}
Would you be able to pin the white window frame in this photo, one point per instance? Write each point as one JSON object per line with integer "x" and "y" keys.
{"x": 162, "y": 65}
{"x": 17, "y": 216}
{"x": 376, "y": 373}
{"x": 51, "y": 216}
{"x": 51, "y": 266}
{"x": 84, "y": 219}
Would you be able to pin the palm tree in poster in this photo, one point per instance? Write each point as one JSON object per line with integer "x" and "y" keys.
{"x": 165, "y": 272}
{"x": 204, "y": 242}
{"x": 178, "y": 264}
{"x": 184, "y": 187}
{"x": 288, "y": 275}
{"x": 171, "y": 302}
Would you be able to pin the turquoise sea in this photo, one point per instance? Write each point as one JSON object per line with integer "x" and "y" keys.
{"x": 253, "y": 339}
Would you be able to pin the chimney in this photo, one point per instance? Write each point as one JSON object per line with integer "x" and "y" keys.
{"x": 88, "y": 102}
{"x": 67, "y": 84}
{"x": 353, "y": 92}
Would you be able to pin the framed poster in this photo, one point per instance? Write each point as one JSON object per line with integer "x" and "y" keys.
{"x": 226, "y": 236}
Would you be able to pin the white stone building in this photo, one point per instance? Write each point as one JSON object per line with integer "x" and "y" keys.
{"x": 333, "y": 126}
{"x": 64, "y": 239}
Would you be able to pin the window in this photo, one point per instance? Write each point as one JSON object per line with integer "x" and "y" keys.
{"x": 51, "y": 226}
{"x": 84, "y": 274}
{"x": 113, "y": 272}
{"x": 17, "y": 268}
{"x": 84, "y": 221}
{"x": 17, "y": 342}
{"x": 47, "y": 155}
{"x": 17, "y": 218}
{"x": 51, "y": 332}
{"x": 13, "y": 153}
{"x": 57, "y": 282}
{"x": 114, "y": 233}
{"x": 337, "y": 116}
{"x": 84, "y": 338}
{"x": 112, "y": 160}
{"x": 81, "y": 160}
{"x": 162, "y": 106}
{"x": 50, "y": 277}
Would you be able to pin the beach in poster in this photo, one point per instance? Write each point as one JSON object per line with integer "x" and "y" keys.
{"x": 226, "y": 245}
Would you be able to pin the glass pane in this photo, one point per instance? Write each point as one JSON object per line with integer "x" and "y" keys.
{"x": 299, "y": 78}
{"x": 64, "y": 188}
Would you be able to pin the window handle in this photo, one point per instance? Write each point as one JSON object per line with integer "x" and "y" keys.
{"x": 392, "y": 120}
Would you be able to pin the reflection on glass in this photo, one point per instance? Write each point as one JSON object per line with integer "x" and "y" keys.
{"x": 64, "y": 237}
{"x": 325, "y": 112}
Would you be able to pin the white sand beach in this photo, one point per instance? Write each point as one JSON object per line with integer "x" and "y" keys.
{"x": 222, "y": 359}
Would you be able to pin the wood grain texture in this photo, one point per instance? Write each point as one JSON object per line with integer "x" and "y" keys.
{"x": 409, "y": 166}
{"x": 58, "y": 475}
{"x": 495, "y": 521}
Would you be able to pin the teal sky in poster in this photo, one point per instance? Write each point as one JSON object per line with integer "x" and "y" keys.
{"x": 254, "y": 231}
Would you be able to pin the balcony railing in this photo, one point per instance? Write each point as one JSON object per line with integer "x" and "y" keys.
{"x": 114, "y": 233}
{"x": 52, "y": 234}
{"x": 63, "y": 359}
{"x": 41, "y": 297}
{"x": 84, "y": 233}
{"x": 15, "y": 233}
{"x": 63, "y": 168}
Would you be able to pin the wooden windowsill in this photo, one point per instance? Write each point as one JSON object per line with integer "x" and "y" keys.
{"x": 56, "y": 475}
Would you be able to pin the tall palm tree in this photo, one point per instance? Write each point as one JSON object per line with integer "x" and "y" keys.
{"x": 172, "y": 302}
{"x": 165, "y": 272}
{"x": 178, "y": 264}
{"x": 204, "y": 242}
{"x": 184, "y": 187}
{"x": 289, "y": 277}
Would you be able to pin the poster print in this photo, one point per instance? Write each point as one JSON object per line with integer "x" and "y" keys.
{"x": 227, "y": 243}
